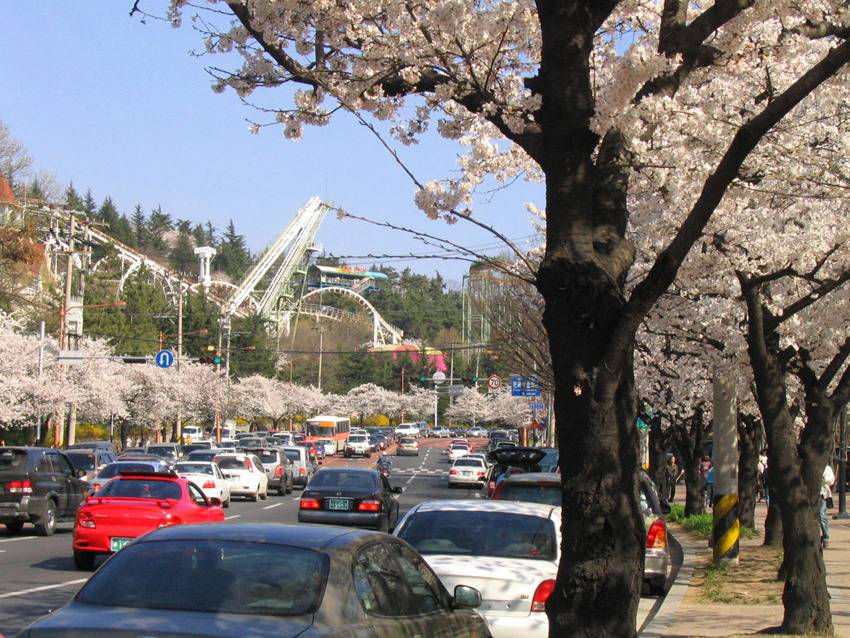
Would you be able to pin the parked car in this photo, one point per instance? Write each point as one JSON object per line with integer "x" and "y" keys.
{"x": 135, "y": 503}
{"x": 38, "y": 486}
{"x": 217, "y": 581}
{"x": 208, "y": 476}
{"x": 278, "y": 468}
{"x": 407, "y": 445}
{"x": 246, "y": 475}
{"x": 441, "y": 433}
{"x": 508, "y": 551}
{"x": 91, "y": 460}
{"x": 151, "y": 464}
{"x": 349, "y": 496}
{"x": 358, "y": 445}
{"x": 302, "y": 467}
{"x": 466, "y": 471}
{"x": 168, "y": 451}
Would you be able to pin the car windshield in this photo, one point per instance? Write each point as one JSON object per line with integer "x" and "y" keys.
{"x": 468, "y": 463}
{"x": 13, "y": 460}
{"x": 81, "y": 460}
{"x": 344, "y": 480}
{"x": 231, "y": 463}
{"x": 478, "y": 533}
{"x": 530, "y": 493}
{"x": 193, "y": 468}
{"x": 141, "y": 488}
{"x": 113, "y": 468}
{"x": 357, "y": 438}
{"x": 211, "y": 576}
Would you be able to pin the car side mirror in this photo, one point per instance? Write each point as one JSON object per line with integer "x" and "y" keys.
{"x": 465, "y": 596}
{"x": 397, "y": 490}
{"x": 215, "y": 501}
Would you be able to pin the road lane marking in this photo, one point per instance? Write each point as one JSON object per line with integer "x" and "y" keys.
{"x": 24, "y": 592}
{"x": 410, "y": 480}
{"x": 227, "y": 518}
{"x": 17, "y": 538}
{"x": 269, "y": 507}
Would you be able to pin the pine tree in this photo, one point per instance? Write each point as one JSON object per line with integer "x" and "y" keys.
{"x": 89, "y": 205}
{"x": 182, "y": 256}
{"x": 138, "y": 223}
{"x": 210, "y": 240}
{"x": 199, "y": 235}
{"x": 233, "y": 256}
{"x": 72, "y": 198}
{"x": 108, "y": 214}
{"x": 159, "y": 223}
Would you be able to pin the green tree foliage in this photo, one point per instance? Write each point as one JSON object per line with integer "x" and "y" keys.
{"x": 252, "y": 349}
{"x": 138, "y": 224}
{"x": 89, "y": 205}
{"x": 159, "y": 223}
{"x": 233, "y": 256}
{"x": 72, "y": 198}
{"x": 182, "y": 256}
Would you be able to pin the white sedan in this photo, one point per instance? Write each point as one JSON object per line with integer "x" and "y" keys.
{"x": 246, "y": 475}
{"x": 508, "y": 551}
{"x": 457, "y": 450}
{"x": 208, "y": 477}
{"x": 468, "y": 471}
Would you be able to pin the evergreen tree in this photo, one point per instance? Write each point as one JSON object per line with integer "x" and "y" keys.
{"x": 210, "y": 238}
{"x": 108, "y": 214}
{"x": 72, "y": 198}
{"x": 199, "y": 235}
{"x": 34, "y": 191}
{"x": 89, "y": 205}
{"x": 233, "y": 257}
{"x": 138, "y": 224}
{"x": 159, "y": 223}
{"x": 182, "y": 256}
{"x": 123, "y": 231}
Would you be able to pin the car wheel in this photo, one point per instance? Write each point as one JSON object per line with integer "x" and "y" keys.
{"x": 15, "y": 527}
{"x": 46, "y": 525}
{"x": 84, "y": 560}
{"x": 289, "y": 488}
{"x": 255, "y": 496}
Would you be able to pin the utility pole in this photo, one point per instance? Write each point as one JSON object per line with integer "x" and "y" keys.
{"x": 842, "y": 466}
{"x": 451, "y": 371}
{"x": 40, "y": 372}
{"x": 63, "y": 311}
{"x": 321, "y": 347}
{"x": 179, "y": 424}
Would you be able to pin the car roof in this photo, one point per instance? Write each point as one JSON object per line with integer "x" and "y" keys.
{"x": 348, "y": 470}
{"x": 534, "y": 477}
{"x": 315, "y": 537}
{"x": 508, "y": 507}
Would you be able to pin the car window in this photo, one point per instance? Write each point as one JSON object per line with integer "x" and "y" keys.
{"x": 423, "y": 583}
{"x": 408, "y": 440}
{"x": 211, "y": 576}
{"x": 530, "y": 493}
{"x": 268, "y": 456}
{"x": 343, "y": 480}
{"x": 193, "y": 468}
{"x": 13, "y": 460}
{"x": 45, "y": 466}
{"x": 257, "y": 464}
{"x": 481, "y": 533}
{"x": 379, "y": 584}
{"x": 82, "y": 460}
{"x": 293, "y": 455}
{"x": 135, "y": 488}
{"x": 61, "y": 464}
{"x": 112, "y": 470}
{"x": 197, "y": 495}
{"x": 231, "y": 463}
{"x": 468, "y": 462}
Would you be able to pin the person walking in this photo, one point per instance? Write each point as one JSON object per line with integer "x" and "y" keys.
{"x": 827, "y": 481}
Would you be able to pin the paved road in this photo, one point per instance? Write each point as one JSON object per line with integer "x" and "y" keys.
{"x": 38, "y": 574}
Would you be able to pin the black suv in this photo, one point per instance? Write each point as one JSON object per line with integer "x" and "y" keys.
{"x": 39, "y": 486}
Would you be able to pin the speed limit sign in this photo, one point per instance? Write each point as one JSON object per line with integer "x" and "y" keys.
{"x": 494, "y": 382}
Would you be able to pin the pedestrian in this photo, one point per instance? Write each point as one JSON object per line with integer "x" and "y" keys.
{"x": 674, "y": 474}
{"x": 709, "y": 487}
{"x": 762, "y": 470}
{"x": 827, "y": 481}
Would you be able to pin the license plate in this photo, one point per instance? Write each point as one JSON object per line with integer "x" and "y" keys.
{"x": 339, "y": 504}
{"x": 117, "y": 544}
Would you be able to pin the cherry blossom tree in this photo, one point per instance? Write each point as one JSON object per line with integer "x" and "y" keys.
{"x": 589, "y": 95}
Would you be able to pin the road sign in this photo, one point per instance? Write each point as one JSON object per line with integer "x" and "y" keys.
{"x": 536, "y": 405}
{"x": 494, "y": 382}
{"x": 438, "y": 377}
{"x": 455, "y": 390}
{"x": 524, "y": 386}
{"x": 164, "y": 358}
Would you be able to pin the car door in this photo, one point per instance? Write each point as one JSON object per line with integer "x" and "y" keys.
{"x": 73, "y": 487}
{"x": 200, "y": 509}
{"x": 45, "y": 481}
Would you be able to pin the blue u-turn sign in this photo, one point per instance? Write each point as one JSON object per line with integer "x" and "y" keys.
{"x": 164, "y": 358}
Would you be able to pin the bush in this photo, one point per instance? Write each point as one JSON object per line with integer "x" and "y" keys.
{"x": 700, "y": 524}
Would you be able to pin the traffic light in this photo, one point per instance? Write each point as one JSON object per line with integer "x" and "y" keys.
{"x": 215, "y": 359}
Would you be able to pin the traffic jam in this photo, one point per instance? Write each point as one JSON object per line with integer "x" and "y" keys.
{"x": 377, "y": 519}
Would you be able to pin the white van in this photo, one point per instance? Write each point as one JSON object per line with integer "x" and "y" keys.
{"x": 407, "y": 429}
{"x": 192, "y": 433}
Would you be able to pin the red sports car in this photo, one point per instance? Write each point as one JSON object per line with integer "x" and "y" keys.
{"x": 132, "y": 504}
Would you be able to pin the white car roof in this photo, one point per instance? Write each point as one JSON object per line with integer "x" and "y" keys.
{"x": 509, "y": 507}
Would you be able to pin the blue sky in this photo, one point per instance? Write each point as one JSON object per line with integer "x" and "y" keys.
{"x": 121, "y": 107}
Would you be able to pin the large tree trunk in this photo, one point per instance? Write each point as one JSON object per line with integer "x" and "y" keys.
{"x": 600, "y": 572}
{"x": 794, "y": 476}
{"x": 658, "y": 467}
{"x": 749, "y": 430}
{"x": 688, "y": 438}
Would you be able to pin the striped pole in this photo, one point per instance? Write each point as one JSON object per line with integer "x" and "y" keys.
{"x": 726, "y": 529}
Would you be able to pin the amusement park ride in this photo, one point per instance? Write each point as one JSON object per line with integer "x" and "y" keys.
{"x": 276, "y": 287}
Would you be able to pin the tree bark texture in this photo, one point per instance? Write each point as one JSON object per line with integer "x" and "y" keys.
{"x": 658, "y": 466}
{"x": 795, "y": 469}
{"x": 689, "y": 438}
{"x": 749, "y": 430}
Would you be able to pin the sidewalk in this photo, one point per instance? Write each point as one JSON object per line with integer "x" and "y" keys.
{"x": 680, "y": 616}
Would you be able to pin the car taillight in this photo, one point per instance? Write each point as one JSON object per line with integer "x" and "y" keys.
{"x": 310, "y": 504}
{"x": 481, "y": 475}
{"x": 453, "y": 472}
{"x": 19, "y": 487}
{"x": 541, "y": 595}
{"x": 369, "y": 506}
{"x": 656, "y": 538}
{"x": 278, "y": 472}
{"x": 302, "y": 471}
{"x": 209, "y": 485}
{"x": 85, "y": 519}
{"x": 249, "y": 465}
